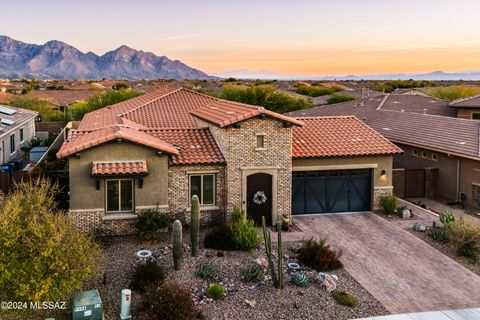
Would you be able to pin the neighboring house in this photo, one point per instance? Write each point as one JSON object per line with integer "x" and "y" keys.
{"x": 158, "y": 150}
{"x": 468, "y": 108}
{"x": 61, "y": 99}
{"x": 17, "y": 128}
{"x": 441, "y": 153}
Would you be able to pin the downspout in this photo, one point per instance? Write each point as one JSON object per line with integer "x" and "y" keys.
{"x": 458, "y": 181}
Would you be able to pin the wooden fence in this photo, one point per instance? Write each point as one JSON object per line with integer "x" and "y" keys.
{"x": 8, "y": 180}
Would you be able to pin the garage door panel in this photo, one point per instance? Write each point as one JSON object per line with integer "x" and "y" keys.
{"x": 337, "y": 194}
{"x": 298, "y": 195}
{"x": 315, "y": 188}
{"x": 331, "y": 191}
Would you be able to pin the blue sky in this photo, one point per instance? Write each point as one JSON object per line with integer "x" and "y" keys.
{"x": 295, "y": 37}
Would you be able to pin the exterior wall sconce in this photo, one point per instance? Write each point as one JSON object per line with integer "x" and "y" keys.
{"x": 77, "y": 155}
{"x": 97, "y": 184}
{"x": 383, "y": 175}
{"x": 140, "y": 182}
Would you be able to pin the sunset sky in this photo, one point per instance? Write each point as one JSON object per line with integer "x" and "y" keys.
{"x": 301, "y": 37}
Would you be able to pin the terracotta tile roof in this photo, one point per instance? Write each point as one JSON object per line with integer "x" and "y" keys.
{"x": 338, "y": 136}
{"x": 112, "y": 114}
{"x": 195, "y": 145}
{"x": 119, "y": 168}
{"x": 431, "y": 132}
{"x": 224, "y": 113}
{"x": 62, "y": 97}
{"x": 471, "y": 102}
{"x": 82, "y": 140}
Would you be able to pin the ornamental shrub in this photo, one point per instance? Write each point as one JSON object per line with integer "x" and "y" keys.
{"x": 146, "y": 274}
{"x": 216, "y": 291}
{"x": 345, "y": 298}
{"x": 206, "y": 271}
{"x": 43, "y": 256}
{"x": 464, "y": 233}
{"x": 220, "y": 238}
{"x": 319, "y": 256}
{"x": 168, "y": 301}
{"x": 388, "y": 204}
{"x": 245, "y": 235}
{"x": 150, "y": 221}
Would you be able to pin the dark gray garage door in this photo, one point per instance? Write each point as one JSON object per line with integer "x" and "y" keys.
{"x": 331, "y": 191}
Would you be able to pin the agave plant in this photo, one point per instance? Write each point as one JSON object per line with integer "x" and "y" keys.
{"x": 299, "y": 279}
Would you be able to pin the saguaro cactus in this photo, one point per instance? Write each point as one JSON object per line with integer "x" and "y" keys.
{"x": 177, "y": 244}
{"x": 277, "y": 275}
{"x": 195, "y": 225}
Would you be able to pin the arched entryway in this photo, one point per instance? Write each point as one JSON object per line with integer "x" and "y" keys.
{"x": 259, "y": 197}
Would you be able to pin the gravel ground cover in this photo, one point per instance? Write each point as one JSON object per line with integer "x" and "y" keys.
{"x": 293, "y": 302}
{"x": 449, "y": 250}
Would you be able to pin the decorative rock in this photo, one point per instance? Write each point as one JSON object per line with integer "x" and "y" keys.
{"x": 406, "y": 214}
{"x": 334, "y": 277}
{"x": 251, "y": 303}
{"x": 301, "y": 292}
{"x": 262, "y": 262}
{"x": 327, "y": 281}
{"x": 419, "y": 227}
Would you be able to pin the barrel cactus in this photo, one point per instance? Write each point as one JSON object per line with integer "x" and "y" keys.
{"x": 195, "y": 225}
{"x": 299, "y": 279}
{"x": 177, "y": 244}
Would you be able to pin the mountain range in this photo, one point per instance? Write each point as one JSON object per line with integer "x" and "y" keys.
{"x": 58, "y": 60}
{"x": 436, "y": 75}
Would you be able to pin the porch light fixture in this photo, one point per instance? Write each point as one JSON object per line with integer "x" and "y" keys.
{"x": 140, "y": 182}
{"x": 384, "y": 174}
{"x": 97, "y": 184}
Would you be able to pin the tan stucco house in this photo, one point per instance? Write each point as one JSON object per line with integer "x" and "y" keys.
{"x": 157, "y": 150}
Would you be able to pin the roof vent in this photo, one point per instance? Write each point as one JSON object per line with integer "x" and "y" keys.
{"x": 386, "y": 129}
{"x": 260, "y": 108}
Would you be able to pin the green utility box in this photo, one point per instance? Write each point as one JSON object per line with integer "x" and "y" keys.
{"x": 87, "y": 305}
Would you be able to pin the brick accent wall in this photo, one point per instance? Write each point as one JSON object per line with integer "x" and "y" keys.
{"x": 378, "y": 192}
{"x": 179, "y": 195}
{"x": 398, "y": 182}
{"x": 431, "y": 182}
{"x": 476, "y": 195}
{"x": 239, "y": 149}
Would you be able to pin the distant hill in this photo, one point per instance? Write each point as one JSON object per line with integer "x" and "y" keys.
{"x": 58, "y": 60}
{"x": 437, "y": 75}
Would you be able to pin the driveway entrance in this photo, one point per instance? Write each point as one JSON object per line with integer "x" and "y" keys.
{"x": 402, "y": 271}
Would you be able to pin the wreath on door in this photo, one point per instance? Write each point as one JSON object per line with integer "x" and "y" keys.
{"x": 259, "y": 197}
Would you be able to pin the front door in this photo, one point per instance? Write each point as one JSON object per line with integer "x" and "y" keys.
{"x": 259, "y": 197}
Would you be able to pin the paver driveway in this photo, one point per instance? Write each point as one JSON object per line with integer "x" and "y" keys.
{"x": 402, "y": 271}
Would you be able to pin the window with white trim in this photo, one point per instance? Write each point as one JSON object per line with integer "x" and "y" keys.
{"x": 12, "y": 144}
{"x": 22, "y": 138}
{"x": 203, "y": 186}
{"x": 119, "y": 195}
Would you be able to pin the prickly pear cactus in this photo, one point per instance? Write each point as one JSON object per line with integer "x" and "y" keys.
{"x": 177, "y": 244}
{"x": 299, "y": 279}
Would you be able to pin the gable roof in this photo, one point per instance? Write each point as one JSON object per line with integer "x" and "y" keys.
{"x": 165, "y": 119}
{"x": 195, "y": 145}
{"x": 11, "y": 122}
{"x": 224, "y": 113}
{"x": 471, "y": 102}
{"x": 418, "y": 104}
{"x": 338, "y": 136}
{"x": 433, "y": 132}
{"x": 82, "y": 140}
